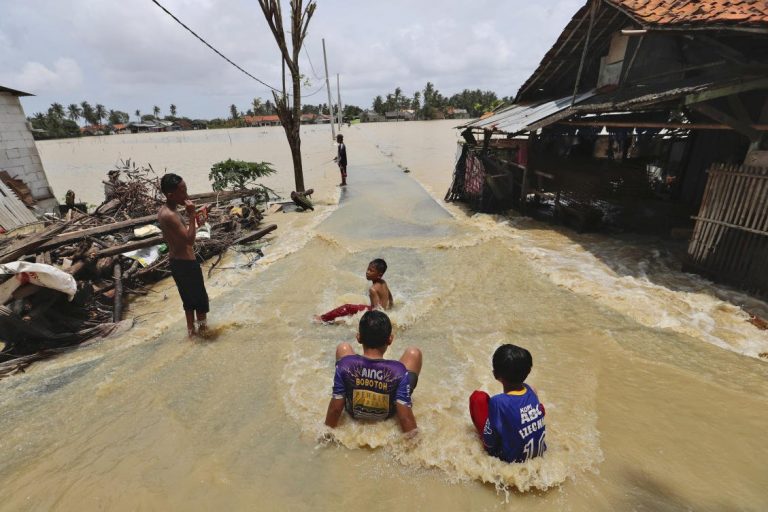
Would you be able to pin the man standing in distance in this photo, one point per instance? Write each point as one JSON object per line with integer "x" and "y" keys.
{"x": 341, "y": 159}
{"x": 180, "y": 238}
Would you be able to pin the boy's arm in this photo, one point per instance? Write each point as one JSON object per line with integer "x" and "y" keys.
{"x": 405, "y": 417}
{"x": 174, "y": 231}
{"x": 335, "y": 408}
{"x": 189, "y": 206}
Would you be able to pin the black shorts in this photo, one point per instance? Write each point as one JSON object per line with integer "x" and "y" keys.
{"x": 189, "y": 280}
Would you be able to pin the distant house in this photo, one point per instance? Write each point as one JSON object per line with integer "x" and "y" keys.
{"x": 323, "y": 119}
{"x": 199, "y": 124}
{"x": 371, "y": 116}
{"x": 120, "y": 128}
{"x": 397, "y": 115}
{"x": 456, "y": 113}
{"x": 151, "y": 126}
{"x": 308, "y": 118}
{"x": 271, "y": 120}
{"x": 18, "y": 154}
{"x": 94, "y": 129}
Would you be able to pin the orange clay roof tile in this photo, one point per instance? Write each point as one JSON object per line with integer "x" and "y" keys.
{"x": 696, "y": 12}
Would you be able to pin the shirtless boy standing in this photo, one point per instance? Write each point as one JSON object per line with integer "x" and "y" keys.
{"x": 180, "y": 238}
{"x": 381, "y": 297}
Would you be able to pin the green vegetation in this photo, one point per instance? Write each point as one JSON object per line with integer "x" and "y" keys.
{"x": 240, "y": 175}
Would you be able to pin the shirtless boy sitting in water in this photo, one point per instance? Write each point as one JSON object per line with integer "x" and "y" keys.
{"x": 180, "y": 238}
{"x": 381, "y": 297}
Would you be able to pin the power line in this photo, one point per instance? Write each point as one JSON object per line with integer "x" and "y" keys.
{"x": 169, "y": 13}
{"x": 310, "y": 63}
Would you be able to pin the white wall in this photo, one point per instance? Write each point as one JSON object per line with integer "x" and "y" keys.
{"x": 18, "y": 153}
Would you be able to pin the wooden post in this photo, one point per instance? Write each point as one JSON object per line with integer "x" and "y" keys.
{"x": 117, "y": 313}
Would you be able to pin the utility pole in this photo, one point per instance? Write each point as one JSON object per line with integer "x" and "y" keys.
{"x": 338, "y": 91}
{"x": 328, "y": 87}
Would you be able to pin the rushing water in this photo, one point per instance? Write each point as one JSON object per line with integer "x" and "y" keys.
{"x": 656, "y": 399}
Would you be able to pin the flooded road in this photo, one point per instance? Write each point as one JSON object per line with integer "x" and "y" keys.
{"x": 655, "y": 399}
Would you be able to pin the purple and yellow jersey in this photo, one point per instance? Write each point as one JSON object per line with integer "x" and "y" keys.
{"x": 515, "y": 428}
{"x": 371, "y": 387}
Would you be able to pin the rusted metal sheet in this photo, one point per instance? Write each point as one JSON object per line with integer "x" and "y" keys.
{"x": 730, "y": 239}
{"x": 520, "y": 118}
{"x": 13, "y": 213}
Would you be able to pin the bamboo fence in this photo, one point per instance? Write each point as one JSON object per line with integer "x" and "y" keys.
{"x": 730, "y": 239}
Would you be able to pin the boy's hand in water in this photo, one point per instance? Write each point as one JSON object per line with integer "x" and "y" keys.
{"x": 189, "y": 207}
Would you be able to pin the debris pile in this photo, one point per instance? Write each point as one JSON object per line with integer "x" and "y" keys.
{"x": 66, "y": 282}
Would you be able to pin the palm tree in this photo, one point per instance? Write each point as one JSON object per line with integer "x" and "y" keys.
{"x": 233, "y": 111}
{"x": 256, "y": 106}
{"x": 156, "y": 111}
{"x": 87, "y": 112}
{"x": 100, "y": 112}
{"x": 138, "y": 114}
{"x": 173, "y": 110}
{"x": 57, "y": 110}
{"x": 74, "y": 112}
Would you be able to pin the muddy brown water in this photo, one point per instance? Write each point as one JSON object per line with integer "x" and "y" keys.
{"x": 655, "y": 397}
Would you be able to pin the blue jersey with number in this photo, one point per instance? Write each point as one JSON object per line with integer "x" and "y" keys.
{"x": 514, "y": 431}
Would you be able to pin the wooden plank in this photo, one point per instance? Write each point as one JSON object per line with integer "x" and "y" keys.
{"x": 670, "y": 126}
{"x": 722, "y": 117}
{"x": 98, "y": 230}
{"x": 30, "y": 245}
{"x": 132, "y": 246}
{"x": 255, "y": 235}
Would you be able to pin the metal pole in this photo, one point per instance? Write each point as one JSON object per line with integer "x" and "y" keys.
{"x": 328, "y": 86}
{"x": 338, "y": 91}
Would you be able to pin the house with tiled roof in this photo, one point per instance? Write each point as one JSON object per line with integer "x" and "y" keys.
{"x": 270, "y": 120}
{"x": 653, "y": 113}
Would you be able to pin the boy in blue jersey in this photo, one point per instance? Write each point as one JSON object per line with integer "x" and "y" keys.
{"x": 370, "y": 387}
{"x": 511, "y": 424}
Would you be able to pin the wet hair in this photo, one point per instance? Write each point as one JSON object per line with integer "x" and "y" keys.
{"x": 380, "y": 265}
{"x": 169, "y": 182}
{"x": 339, "y": 136}
{"x": 375, "y": 329}
{"x": 512, "y": 363}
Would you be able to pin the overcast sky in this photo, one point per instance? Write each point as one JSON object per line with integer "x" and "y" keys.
{"x": 128, "y": 54}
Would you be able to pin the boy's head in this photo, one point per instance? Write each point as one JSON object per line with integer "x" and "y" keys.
{"x": 511, "y": 364}
{"x": 376, "y": 269}
{"x": 174, "y": 188}
{"x": 339, "y": 138}
{"x": 375, "y": 330}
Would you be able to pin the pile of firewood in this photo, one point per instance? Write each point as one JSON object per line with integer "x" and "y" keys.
{"x": 92, "y": 248}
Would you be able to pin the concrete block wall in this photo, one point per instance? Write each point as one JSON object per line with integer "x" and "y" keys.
{"x": 18, "y": 153}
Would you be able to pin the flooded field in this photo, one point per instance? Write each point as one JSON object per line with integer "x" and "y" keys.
{"x": 656, "y": 397}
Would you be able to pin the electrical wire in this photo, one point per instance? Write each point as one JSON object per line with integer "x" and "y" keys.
{"x": 206, "y": 43}
{"x": 310, "y": 63}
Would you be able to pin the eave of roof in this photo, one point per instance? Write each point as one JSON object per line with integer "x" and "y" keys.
{"x": 15, "y": 92}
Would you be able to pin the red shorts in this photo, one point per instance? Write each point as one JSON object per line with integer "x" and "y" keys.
{"x": 345, "y": 310}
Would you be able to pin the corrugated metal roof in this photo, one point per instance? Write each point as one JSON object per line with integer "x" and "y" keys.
{"x": 521, "y": 118}
{"x": 13, "y": 213}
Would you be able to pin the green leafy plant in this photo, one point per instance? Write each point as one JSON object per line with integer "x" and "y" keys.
{"x": 240, "y": 175}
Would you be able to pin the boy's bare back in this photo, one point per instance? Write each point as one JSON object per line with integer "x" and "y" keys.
{"x": 380, "y": 295}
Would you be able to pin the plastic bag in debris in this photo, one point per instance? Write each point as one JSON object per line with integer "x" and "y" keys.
{"x": 145, "y": 231}
{"x": 41, "y": 274}
{"x": 146, "y": 256}
{"x": 204, "y": 231}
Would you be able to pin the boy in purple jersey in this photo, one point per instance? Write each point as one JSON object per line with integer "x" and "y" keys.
{"x": 511, "y": 424}
{"x": 370, "y": 387}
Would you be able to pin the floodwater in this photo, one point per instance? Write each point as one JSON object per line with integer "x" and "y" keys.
{"x": 656, "y": 395}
